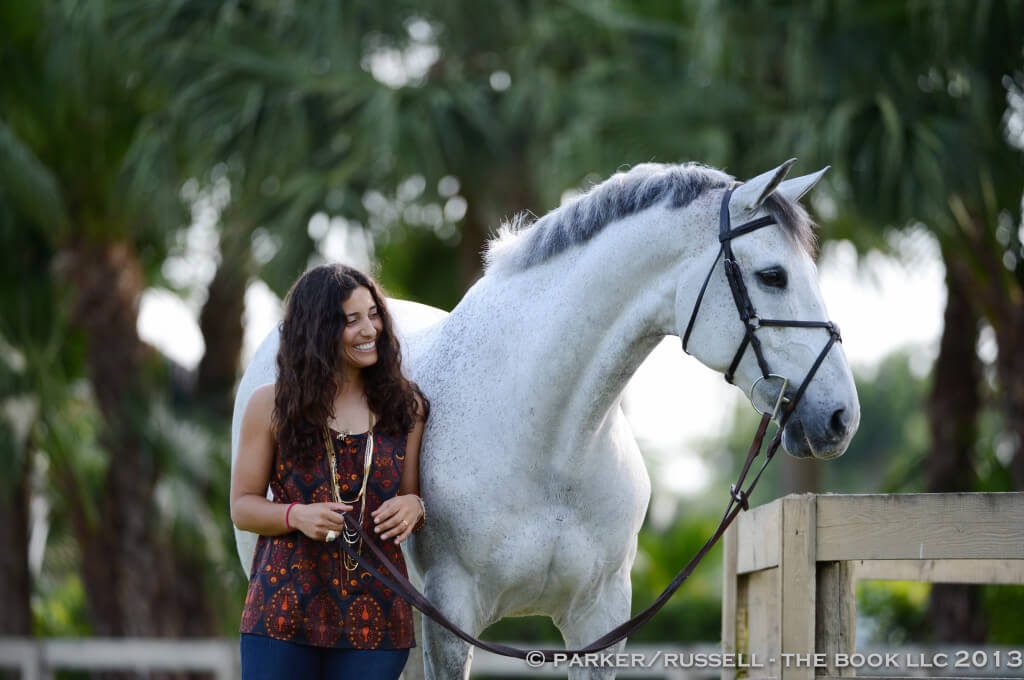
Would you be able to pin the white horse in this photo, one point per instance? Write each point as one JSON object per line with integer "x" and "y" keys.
{"x": 534, "y": 485}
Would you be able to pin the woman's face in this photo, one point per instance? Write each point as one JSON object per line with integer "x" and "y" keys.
{"x": 362, "y": 327}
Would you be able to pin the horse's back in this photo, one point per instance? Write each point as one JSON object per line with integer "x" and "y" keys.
{"x": 413, "y": 321}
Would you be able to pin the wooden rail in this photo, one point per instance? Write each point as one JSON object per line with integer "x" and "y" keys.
{"x": 40, "y": 659}
{"x": 37, "y": 659}
{"x": 791, "y": 566}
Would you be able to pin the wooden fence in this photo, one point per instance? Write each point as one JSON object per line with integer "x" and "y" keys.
{"x": 42, "y": 659}
{"x": 791, "y": 566}
{"x": 789, "y": 589}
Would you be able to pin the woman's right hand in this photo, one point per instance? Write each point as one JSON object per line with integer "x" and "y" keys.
{"x": 316, "y": 519}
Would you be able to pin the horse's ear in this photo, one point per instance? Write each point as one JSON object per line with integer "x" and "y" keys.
{"x": 794, "y": 188}
{"x": 751, "y": 194}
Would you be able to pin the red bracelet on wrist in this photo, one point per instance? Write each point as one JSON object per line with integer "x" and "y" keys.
{"x": 288, "y": 512}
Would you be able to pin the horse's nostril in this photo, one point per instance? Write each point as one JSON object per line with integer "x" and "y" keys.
{"x": 838, "y": 424}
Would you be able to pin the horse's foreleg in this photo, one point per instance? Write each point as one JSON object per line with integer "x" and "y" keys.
{"x": 446, "y": 657}
{"x": 592, "y": 614}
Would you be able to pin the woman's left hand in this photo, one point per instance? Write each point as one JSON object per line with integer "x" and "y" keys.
{"x": 396, "y": 517}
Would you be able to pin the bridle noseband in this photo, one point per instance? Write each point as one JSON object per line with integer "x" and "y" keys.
{"x": 748, "y": 315}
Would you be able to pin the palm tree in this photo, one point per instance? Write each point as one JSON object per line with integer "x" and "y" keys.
{"x": 85, "y": 185}
{"x": 907, "y": 101}
{"x": 299, "y": 109}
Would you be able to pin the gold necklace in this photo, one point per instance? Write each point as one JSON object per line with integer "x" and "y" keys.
{"x": 351, "y": 536}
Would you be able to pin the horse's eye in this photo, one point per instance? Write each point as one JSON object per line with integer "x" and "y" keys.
{"x": 775, "y": 277}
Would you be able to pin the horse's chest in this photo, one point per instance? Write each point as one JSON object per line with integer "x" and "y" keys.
{"x": 540, "y": 560}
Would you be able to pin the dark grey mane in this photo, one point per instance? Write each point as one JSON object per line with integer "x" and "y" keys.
{"x": 522, "y": 243}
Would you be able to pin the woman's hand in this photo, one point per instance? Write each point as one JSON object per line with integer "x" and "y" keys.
{"x": 396, "y": 517}
{"x": 316, "y": 519}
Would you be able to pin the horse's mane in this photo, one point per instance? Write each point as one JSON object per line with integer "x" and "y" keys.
{"x": 524, "y": 242}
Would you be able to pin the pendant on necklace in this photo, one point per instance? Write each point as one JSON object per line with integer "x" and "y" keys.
{"x": 343, "y": 435}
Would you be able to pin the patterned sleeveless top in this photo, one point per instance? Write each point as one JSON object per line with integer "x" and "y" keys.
{"x": 298, "y": 590}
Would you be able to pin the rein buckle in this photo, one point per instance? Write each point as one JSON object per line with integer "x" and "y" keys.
{"x": 740, "y": 496}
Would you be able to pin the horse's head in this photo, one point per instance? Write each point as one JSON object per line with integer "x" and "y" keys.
{"x": 749, "y": 312}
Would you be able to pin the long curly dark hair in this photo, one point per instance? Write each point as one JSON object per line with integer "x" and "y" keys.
{"x": 308, "y": 371}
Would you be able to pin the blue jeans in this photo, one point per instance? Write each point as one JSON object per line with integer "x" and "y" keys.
{"x": 265, "y": 658}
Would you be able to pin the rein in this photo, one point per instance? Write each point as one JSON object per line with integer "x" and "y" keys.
{"x": 403, "y": 587}
{"x": 738, "y": 495}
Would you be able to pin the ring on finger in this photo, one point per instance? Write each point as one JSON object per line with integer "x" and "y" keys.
{"x": 331, "y": 535}
{"x": 405, "y": 523}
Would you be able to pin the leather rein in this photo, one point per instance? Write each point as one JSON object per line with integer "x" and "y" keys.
{"x": 738, "y": 495}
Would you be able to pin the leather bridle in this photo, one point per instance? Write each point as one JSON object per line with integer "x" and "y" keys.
{"x": 748, "y": 315}
{"x": 738, "y": 496}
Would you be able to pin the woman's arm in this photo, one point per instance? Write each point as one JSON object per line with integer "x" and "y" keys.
{"x": 411, "y": 472}
{"x": 250, "y": 476}
{"x": 389, "y": 516}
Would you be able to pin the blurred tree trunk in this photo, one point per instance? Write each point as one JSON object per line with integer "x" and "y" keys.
{"x": 15, "y": 581}
{"x": 473, "y": 240}
{"x": 134, "y": 582}
{"x": 1010, "y": 368}
{"x": 118, "y": 554}
{"x": 1007, "y": 319}
{"x": 999, "y": 295}
{"x": 493, "y": 199}
{"x": 955, "y": 400}
{"x": 220, "y": 322}
{"x": 799, "y": 475}
{"x": 955, "y": 610}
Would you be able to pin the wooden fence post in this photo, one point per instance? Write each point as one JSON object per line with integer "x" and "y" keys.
{"x": 789, "y": 591}
{"x": 836, "y": 614}
{"x": 729, "y": 603}
{"x": 797, "y": 582}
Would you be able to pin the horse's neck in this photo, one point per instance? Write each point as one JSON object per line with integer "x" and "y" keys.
{"x": 592, "y": 314}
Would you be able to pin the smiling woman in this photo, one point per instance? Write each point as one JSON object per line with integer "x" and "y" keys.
{"x": 338, "y": 432}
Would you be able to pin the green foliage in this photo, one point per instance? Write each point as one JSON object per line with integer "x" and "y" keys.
{"x": 525, "y": 629}
{"x": 409, "y": 269}
{"x": 60, "y": 607}
{"x": 59, "y": 603}
{"x": 886, "y": 453}
{"x": 1004, "y": 605}
{"x": 69, "y": 116}
{"x": 108, "y": 108}
{"x": 892, "y": 612}
{"x": 192, "y": 495}
{"x": 896, "y": 613}
{"x": 694, "y": 612}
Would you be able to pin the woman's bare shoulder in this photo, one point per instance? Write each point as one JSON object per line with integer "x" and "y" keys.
{"x": 261, "y": 403}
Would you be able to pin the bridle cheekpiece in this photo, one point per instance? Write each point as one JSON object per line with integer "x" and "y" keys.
{"x": 748, "y": 315}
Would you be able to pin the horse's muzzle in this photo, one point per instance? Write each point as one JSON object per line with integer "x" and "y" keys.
{"x": 826, "y": 435}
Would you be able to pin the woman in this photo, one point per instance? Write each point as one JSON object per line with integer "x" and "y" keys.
{"x": 339, "y": 432}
